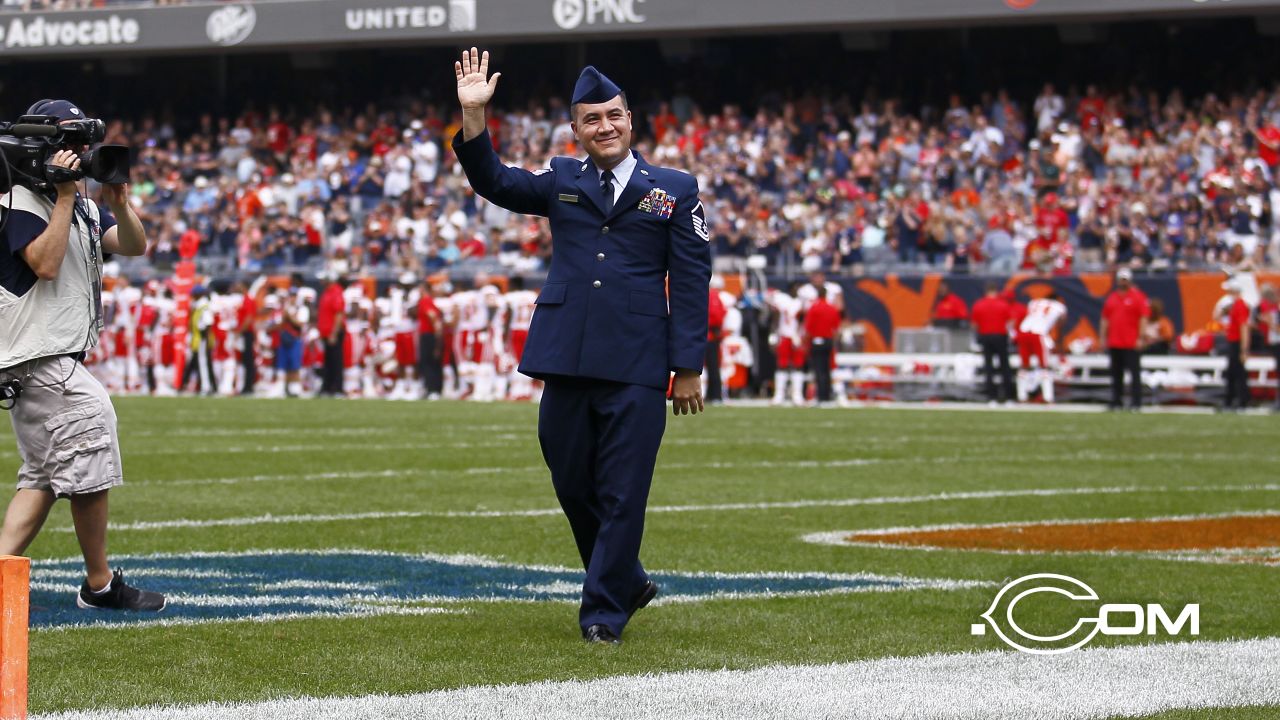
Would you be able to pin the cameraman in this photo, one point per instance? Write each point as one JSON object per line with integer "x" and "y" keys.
{"x": 51, "y": 253}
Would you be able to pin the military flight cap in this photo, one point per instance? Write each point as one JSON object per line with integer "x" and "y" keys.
{"x": 593, "y": 87}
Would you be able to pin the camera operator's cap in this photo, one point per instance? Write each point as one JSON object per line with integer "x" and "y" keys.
{"x": 61, "y": 109}
{"x": 1124, "y": 274}
{"x": 593, "y": 87}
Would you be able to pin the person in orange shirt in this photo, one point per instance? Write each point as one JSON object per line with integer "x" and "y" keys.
{"x": 1237, "y": 323}
{"x": 1157, "y": 336}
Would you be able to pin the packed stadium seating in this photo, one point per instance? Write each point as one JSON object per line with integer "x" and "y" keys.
{"x": 1050, "y": 183}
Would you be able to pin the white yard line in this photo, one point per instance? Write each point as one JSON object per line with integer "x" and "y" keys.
{"x": 1088, "y": 684}
{"x": 269, "y": 519}
{"x": 672, "y": 467}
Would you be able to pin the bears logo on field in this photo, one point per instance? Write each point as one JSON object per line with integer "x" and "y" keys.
{"x": 210, "y": 587}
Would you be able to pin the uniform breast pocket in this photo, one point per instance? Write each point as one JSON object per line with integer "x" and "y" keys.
{"x": 647, "y": 303}
{"x": 649, "y": 220}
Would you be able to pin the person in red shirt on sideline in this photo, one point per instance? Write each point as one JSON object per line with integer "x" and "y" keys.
{"x": 1269, "y": 329}
{"x": 1236, "y": 320}
{"x": 715, "y": 333}
{"x": 1124, "y": 316}
{"x": 951, "y": 311}
{"x": 820, "y": 326}
{"x": 430, "y": 325}
{"x": 991, "y": 318}
{"x": 331, "y": 322}
{"x": 247, "y": 328}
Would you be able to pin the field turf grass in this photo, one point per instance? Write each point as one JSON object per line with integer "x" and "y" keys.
{"x": 229, "y": 458}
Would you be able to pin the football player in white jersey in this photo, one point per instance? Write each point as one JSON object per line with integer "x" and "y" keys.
{"x": 519, "y": 304}
{"x": 486, "y": 348}
{"x": 448, "y": 332}
{"x": 788, "y": 348}
{"x": 500, "y": 356}
{"x": 123, "y": 365}
{"x": 162, "y": 343}
{"x": 403, "y": 323}
{"x": 1035, "y": 339}
{"x": 360, "y": 336}
{"x": 226, "y": 353}
{"x": 735, "y": 351}
{"x": 465, "y": 309}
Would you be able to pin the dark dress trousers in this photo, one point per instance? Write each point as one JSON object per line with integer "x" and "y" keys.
{"x": 605, "y": 339}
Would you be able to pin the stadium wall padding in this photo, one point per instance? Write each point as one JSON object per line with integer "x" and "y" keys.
{"x": 885, "y": 304}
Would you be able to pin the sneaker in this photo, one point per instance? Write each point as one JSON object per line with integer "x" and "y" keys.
{"x": 119, "y": 597}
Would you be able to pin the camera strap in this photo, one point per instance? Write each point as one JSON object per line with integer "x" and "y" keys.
{"x": 95, "y": 268}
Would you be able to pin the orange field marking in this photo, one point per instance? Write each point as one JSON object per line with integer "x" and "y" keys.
{"x": 1170, "y": 535}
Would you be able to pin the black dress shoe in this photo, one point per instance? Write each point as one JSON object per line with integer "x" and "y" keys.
{"x": 647, "y": 594}
{"x": 601, "y": 634}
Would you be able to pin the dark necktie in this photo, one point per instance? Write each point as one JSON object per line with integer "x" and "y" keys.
{"x": 606, "y": 189}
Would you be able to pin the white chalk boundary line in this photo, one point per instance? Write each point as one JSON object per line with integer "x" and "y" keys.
{"x": 668, "y": 468}
{"x": 1084, "y": 685}
{"x": 271, "y": 519}
{"x": 840, "y": 538}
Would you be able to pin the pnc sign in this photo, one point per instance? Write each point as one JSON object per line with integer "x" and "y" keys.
{"x": 570, "y": 14}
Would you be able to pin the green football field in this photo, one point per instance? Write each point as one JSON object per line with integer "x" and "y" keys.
{"x": 326, "y": 549}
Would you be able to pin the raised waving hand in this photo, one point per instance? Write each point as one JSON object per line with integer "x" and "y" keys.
{"x": 475, "y": 87}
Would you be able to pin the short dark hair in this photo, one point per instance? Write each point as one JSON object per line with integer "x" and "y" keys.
{"x": 573, "y": 109}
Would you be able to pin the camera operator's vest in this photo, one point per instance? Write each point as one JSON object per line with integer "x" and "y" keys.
{"x": 56, "y": 316}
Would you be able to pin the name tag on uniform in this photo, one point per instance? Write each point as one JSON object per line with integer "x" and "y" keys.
{"x": 658, "y": 203}
{"x": 564, "y": 197}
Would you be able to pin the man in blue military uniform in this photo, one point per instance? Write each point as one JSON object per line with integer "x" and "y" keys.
{"x": 604, "y": 338}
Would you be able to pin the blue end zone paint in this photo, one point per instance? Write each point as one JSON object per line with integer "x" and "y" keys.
{"x": 266, "y": 585}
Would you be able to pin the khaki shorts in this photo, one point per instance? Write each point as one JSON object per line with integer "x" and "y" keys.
{"x": 66, "y": 429}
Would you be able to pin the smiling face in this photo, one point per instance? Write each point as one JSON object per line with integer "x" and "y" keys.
{"x": 603, "y": 130}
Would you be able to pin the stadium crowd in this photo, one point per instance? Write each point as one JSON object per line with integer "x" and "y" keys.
{"x": 1055, "y": 183}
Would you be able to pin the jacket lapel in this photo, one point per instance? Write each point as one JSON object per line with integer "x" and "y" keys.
{"x": 589, "y": 183}
{"x": 642, "y": 180}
